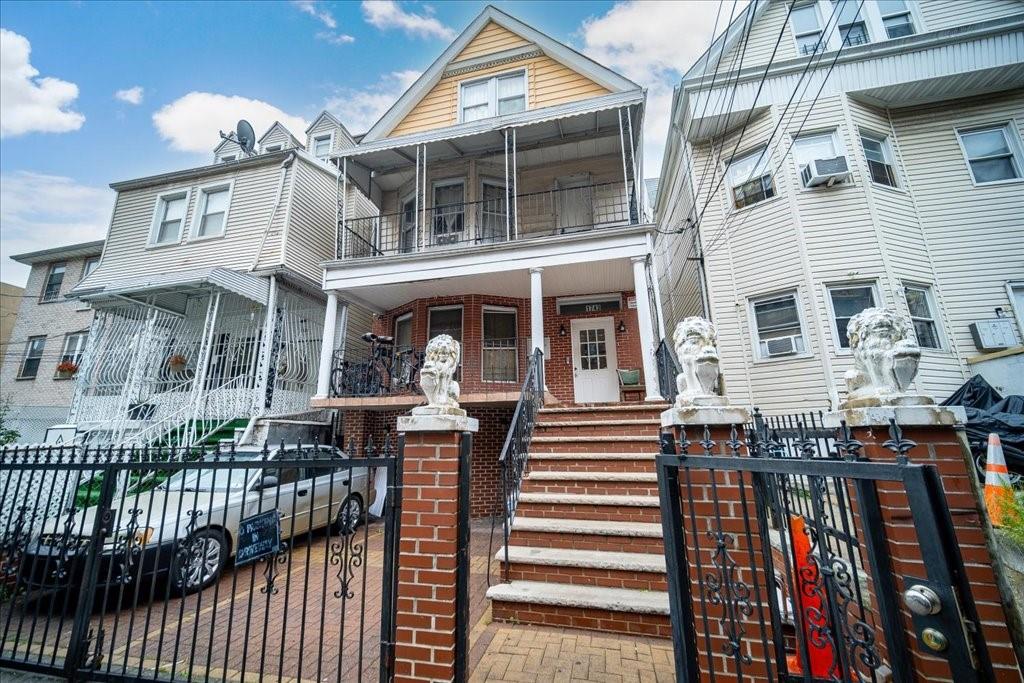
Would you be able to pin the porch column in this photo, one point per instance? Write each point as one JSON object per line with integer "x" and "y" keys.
{"x": 647, "y": 342}
{"x": 536, "y": 312}
{"x": 323, "y": 379}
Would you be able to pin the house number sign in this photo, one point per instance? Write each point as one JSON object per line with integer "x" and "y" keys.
{"x": 258, "y": 536}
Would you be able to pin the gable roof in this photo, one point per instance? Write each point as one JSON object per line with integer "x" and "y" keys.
{"x": 226, "y": 142}
{"x": 334, "y": 121}
{"x": 552, "y": 48}
{"x": 273, "y": 127}
{"x": 727, "y": 39}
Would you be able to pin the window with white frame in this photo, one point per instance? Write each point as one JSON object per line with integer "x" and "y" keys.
{"x": 896, "y": 18}
{"x": 878, "y": 152}
{"x": 806, "y": 25}
{"x": 750, "y": 179}
{"x": 852, "y": 23}
{"x": 777, "y": 325}
{"x": 403, "y": 333}
{"x": 993, "y": 153}
{"x": 213, "y": 210}
{"x": 494, "y": 96}
{"x": 90, "y": 265}
{"x": 32, "y": 358}
{"x": 74, "y": 347}
{"x": 449, "y": 212}
{"x": 922, "y": 313}
{"x": 322, "y": 146}
{"x": 54, "y": 281}
{"x": 499, "y": 355}
{"x": 847, "y": 301}
{"x": 808, "y": 148}
{"x": 170, "y": 216}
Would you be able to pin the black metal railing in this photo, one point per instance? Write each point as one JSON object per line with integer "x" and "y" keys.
{"x": 667, "y": 371}
{"x": 515, "y": 451}
{"x": 489, "y": 221}
{"x": 196, "y": 564}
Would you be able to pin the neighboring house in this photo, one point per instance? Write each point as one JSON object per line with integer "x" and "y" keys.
{"x": 208, "y": 302}
{"x": 900, "y": 184}
{"x": 50, "y": 329}
{"x": 10, "y": 301}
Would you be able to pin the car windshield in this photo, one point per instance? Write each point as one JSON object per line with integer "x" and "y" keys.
{"x": 208, "y": 479}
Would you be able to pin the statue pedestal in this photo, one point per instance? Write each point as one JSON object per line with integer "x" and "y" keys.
{"x": 705, "y": 410}
{"x": 905, "y": 416}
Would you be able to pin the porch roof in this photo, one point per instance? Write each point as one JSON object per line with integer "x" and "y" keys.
{"x": 183, "y": 282}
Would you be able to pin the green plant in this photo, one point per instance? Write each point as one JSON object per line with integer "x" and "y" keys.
{"x": 1013, "y": 525}
{"x": 8, "y": 434}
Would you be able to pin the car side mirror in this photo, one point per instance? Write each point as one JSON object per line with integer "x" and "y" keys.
{"x": 268, "y": 481}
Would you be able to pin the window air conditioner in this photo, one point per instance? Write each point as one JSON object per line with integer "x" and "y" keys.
{"x": 781, "y": 346}
{"x": 825, "y": 172}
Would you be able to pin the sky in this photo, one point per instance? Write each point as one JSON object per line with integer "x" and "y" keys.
{"x": 97, "y": 92}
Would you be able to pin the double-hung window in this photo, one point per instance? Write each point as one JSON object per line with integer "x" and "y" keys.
{"x": 852, "y": 22}
{"x": 878, "y": 153}
{"x": 449, "y": 211}
{"x": 806, "y": 25}
{"x": 848, "y": 301}
{"x": 74, "y": 347}
{"x": 504, "y": 94}
{"x": 499, "y": 353}
{"x": 33, "y": 356}
{"x": 808, "y": 148}
{"x": 896, "y": 18}
{"x": 322, "y": 146}
{"x": 170, "y": 216}
{"x": 919, "y": 303}
{"x": 90, "y": 265}
{"x": 213, "y": 210}
{"x": 777, "y": 324}
{"x": 993, "y": 153}
{"x": 750, "y": 178}
{"x": 54, "y": 280}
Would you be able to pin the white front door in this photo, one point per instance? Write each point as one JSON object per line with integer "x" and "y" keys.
{"x": 594, "y": 362}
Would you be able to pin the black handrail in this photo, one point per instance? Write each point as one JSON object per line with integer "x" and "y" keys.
{"x": 516, "y": 449}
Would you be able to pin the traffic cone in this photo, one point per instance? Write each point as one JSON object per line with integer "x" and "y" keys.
{"x": 998, "y": 491}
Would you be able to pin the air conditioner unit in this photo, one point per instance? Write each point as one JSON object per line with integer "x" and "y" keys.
{"x": 825, "y": 172}
{"x": 782, "y": 346}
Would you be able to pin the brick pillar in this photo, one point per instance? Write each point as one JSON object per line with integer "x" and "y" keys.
{"x": 937, "y": 432}
{"x": 428, "y": 563}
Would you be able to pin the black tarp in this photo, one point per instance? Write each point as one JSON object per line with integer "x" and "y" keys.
{"x": 988, "y": 412}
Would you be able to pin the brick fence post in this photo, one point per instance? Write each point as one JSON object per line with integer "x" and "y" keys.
{"x": 938, "y": 434}
{"x": 427, "y": 601}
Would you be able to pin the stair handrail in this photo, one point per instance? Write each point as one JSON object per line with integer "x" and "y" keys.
{"x": 515, "y": 451}
{"x": 180, "y": 417}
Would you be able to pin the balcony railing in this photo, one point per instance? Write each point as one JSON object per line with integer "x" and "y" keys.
{"x": 489, "y": 221}
{"x": 487, "y": 365}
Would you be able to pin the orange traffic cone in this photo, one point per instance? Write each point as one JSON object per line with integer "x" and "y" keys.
{"x": 998, "y": 491}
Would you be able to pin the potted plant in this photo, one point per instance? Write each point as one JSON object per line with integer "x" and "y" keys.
{"x": 66, "y": 369}
{"x": 176, "y": 364}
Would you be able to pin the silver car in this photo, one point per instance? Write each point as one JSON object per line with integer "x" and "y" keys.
{"x": 187, "y": 527}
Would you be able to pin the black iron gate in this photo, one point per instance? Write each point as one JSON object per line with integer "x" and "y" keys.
{"x": 779, "y": 562}
{"x": 212, "y": 565}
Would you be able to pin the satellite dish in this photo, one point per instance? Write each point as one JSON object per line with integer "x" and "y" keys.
{"x": 246, "y": 136}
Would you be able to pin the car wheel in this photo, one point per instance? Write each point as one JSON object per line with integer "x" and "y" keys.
{"x": 349, "y": 515}
{"x": 198, "y": 561}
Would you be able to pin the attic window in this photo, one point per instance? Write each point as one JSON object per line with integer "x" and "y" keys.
{"x": 322, "y": 146}
{"x": 504, "y": 94}
{"x": 228, "y": 157}
{"x": 272, "y": 148}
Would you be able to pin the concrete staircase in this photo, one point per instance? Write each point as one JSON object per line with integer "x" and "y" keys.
{"x": 585, "y": 549}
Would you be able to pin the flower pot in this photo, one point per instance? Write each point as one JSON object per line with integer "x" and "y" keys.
{"x": 176, "y": 368}
{"x": 65, "y": 374}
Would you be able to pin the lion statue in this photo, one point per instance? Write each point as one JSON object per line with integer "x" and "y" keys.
{"x": 885, "y": 357}
{"x": 696, "y": 343}
{"x": 436, "y": 376}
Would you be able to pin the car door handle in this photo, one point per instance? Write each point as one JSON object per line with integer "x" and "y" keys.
{"x": 303, "y": 492}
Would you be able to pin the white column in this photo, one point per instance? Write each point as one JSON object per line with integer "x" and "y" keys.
{"x": 536, "y": 310}
{"x": 323, "y": 378}
{"x": 647, "y": 342}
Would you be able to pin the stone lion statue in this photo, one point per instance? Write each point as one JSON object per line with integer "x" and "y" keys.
{"x": 696, "y": 343}
{"x": 885, "y": 357}
{"x": 436, "y": 376}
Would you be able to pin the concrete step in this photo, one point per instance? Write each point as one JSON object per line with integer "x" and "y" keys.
{"x": 615, "y": 610}
{"x": 598, "y": 427}
{"x": 587, "y": 534}
{"x": 625, "y": 411}
{"x": 608, "y": 568}
{"x": 593, "y": 507}
{"x": 624, "y": 443}
{"x": 576, "y": 461}
{"x": 592, "y": 483}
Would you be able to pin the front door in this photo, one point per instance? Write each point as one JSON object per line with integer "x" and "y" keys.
{"x": 594, "y": 361}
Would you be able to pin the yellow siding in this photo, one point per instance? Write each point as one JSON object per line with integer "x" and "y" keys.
{"x": 492, "y": 38}
{"x": 548, "y": 83}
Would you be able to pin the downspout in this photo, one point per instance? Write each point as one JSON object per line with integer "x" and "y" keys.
{"x": 273, "y": 213}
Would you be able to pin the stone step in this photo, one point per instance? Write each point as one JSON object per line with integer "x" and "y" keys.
{"x": 614, "y": 610}
{"x": 598, "y": 427}
{"x": 592, "y": 507}
{"x": 624, "y": 443}
{"x": 587, "y": 534}
{"x": 611, "y": 569}
{"x": 592, "y": 483}
{"x": 575, "y": 461}
{"x": 612, "y": 411}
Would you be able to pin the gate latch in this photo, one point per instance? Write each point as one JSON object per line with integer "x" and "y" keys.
{"x": 922, "y": 600}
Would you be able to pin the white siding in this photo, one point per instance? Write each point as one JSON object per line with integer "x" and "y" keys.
{"x": 312, "y": 220}
{"x": 941, "y": 14}
{"x": 325, "y": 125}
{"x": 278, "y": 135}
{"x": 761, "y": 42}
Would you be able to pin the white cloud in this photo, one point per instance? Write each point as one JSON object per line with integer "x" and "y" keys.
{"x": 131, "y": 95}
{"x": 386, "y": 14}
{"x": 29, "y": 103}
{"x": 192, "y": 123}
{"x": 335, "y": 38}
{"x": 360, "y": 109}
{"x": 653, "y": 42}
{"x": 316, "y": 10}
{"x": 40, "y": 211}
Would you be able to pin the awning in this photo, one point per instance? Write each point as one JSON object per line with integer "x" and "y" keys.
{"x": 183, "y": 282}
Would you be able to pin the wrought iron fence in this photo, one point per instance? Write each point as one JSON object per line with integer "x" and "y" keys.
{"x": 122, "y": 563}
{"x": 535, "y": 214}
